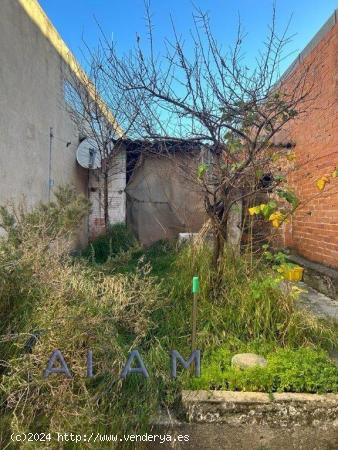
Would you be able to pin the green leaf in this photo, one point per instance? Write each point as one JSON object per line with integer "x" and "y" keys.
{"x": 289, "y": 196}
{"x": 201, "y": 170}
{"x": 269, "y": 208}
{"x": 279, "y": 177}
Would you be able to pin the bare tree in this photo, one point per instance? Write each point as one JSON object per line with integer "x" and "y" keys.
{"x": 209, "y": 96}
{"x": 91, "y": 100}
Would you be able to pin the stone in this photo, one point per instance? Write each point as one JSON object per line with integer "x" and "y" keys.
{"x": 245, "y": 360}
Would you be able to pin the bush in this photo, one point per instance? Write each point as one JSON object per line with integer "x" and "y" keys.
{"x": 49, "y": 300}
{"x": 34, "y": 239}
{"x": 118, "y": 239}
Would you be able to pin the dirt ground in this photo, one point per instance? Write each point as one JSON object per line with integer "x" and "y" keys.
{"x": 228, "y": 437}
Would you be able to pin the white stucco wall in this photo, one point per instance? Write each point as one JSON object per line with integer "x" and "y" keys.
{"x": 31, "y": 102}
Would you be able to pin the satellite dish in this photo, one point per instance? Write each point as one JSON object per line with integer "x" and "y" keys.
{"x": 88, "y": 154}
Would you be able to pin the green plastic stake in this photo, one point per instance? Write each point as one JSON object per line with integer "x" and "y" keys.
{"x": 195, "y": 291}
{"x": 195, "y": 285}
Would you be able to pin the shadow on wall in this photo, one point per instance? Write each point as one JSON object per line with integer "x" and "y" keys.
{"x": 162, "y": 201}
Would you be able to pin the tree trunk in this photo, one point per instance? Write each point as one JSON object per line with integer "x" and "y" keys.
{"x": 234, "y": 226}
{"x": 218, "y": 249}
{"x": 106, "y": 201}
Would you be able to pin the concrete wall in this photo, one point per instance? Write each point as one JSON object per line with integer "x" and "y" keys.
{"x": 32, "y": 75}
{"x": 162, "y": 198}
{"x": 313, "y": 230}
{"x": 249, "y": 421}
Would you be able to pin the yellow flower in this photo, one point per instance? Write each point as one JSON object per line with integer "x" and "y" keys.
{"x": 254, "y": 210}
{"x": 277, "y": 215}
{"x": 262, "y": 206}
{"x": 276, "y": 219}
{"x": 321, "y": 182}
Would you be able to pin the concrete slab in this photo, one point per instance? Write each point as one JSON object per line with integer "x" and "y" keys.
{"x": 277, "y": 409}
{"x": 249, "y": 421}
{"x": 321, "y": 278}
{"x": 317, "y": 303}
{"x": 220, "y": 436}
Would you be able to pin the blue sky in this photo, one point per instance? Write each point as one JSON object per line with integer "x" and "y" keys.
{"x": 76, "y": 20}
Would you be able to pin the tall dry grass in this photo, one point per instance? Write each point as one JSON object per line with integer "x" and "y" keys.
{"x": 50, "y": 301}
{"x": 246, "y": 302}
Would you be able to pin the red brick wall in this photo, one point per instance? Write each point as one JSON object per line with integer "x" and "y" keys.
{"x": 313, "y": 231}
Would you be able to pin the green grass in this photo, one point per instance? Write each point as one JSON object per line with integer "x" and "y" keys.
{"x": 246, "y": 320}
{"x": 106, "y": 246}
{"x": 160, "y": 256}
{"x": 246, "y": 313}
{"x": 288, "y": 370}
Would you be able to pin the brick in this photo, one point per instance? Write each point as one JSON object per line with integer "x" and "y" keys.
{"x": 315, "y": 235}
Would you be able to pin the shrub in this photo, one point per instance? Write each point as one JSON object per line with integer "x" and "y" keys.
{"x": 118, "y": 239}
{"x": 49, "y": 300}
{"x": 35, "y": 239}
